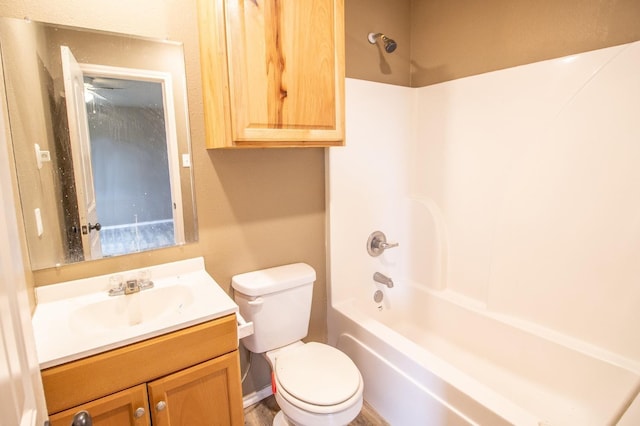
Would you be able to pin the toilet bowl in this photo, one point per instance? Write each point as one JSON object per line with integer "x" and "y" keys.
{"x": 314, "y": 384}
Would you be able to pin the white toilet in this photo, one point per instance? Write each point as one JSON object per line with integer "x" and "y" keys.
{"x": 315, "y": 384}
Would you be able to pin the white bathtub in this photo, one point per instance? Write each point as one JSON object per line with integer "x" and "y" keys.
{"x": 430, "y": 358}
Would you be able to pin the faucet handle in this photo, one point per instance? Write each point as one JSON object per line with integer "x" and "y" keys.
{"x": 116, "y": 285}
{"x": 377, "y": 243}
{"x": 384, "y": 245}
{"x": 144, "y": 279}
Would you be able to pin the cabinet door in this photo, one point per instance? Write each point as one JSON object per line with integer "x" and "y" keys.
{"x": 207, "y": 394}
{"x": 285, "y": 70}
{"x": 127, "y": 407}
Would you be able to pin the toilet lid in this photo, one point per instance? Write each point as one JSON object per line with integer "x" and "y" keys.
{"x": 317, "y": 374}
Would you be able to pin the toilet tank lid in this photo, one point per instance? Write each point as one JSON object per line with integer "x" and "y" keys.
{"x": 271, "y": 280}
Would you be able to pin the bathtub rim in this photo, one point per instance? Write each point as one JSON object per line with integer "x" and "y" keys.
{"x": 403, "y": 347}
{"x": 406, "y": 352}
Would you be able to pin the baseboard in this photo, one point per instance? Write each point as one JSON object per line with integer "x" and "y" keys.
{"x": 256, "y": 396}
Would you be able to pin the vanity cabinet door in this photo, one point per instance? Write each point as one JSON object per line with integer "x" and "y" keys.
{"x": 273, "y": 72}
{"x": 206, "y": 394}
{"x": 127, "y": 407}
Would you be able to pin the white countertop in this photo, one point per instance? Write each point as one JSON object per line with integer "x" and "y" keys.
{"x": 68, "y": 323}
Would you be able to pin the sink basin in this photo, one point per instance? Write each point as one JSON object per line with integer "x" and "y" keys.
{"x": 76, "y": 319}
{"x": 131, "y": 310}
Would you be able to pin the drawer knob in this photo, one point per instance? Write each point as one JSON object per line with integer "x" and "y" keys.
{"x": 161, "y": 406}
{"x": 138, "y": 413}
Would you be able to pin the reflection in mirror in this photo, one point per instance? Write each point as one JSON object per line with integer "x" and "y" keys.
{"x": 100, "y": 135}
{"x": 134, "y": 206}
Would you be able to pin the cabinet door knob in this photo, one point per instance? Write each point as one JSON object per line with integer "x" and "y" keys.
{"x": 138, "y": 413}
{"x": 161, "y": 406}
{"x": 82, "y": 418}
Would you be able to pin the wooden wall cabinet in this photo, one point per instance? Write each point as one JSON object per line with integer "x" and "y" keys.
{"x": 272, "y": 72}
{"x": 189, "y": 377}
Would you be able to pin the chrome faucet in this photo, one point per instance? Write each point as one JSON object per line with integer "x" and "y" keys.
{"x": 383, "y": 279}
{"x": 130, "y": 287}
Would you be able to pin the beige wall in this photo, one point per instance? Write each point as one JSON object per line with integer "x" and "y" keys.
{"x": 458, "y": 38}
{"x": 256, "y": 208}
{"x": 30, "y": 122}
{"x": 365, "y": 61}
{"x": 441, "y": 40}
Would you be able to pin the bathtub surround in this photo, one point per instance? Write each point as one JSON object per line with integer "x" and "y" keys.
{"x": 510, "y": 194}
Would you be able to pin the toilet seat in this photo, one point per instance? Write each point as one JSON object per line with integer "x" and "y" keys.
{"x": 282, "y": 397}
{"x": 317, "y": 378}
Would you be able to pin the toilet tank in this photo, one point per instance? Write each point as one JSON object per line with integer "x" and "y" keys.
{"x": 278, "y": 301}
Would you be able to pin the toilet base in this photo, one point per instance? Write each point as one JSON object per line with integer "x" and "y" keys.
{"x": 296, "y": 417}
{"x": 280, "y": 420}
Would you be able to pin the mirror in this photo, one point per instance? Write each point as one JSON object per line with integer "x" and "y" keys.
{"x": 100, "y": 135}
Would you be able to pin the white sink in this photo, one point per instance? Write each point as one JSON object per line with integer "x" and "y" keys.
{"x": 78, "y": 318}
{"x": 134, "y": 309}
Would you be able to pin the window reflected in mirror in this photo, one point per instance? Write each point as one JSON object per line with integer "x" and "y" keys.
{"x": 135, "y": 206}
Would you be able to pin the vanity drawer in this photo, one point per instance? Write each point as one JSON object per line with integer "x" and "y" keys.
{"x": 93, "y": 377}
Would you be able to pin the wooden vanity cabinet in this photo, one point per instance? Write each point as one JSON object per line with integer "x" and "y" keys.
{"x": 272, "y": 72}
{"x": 188, "y": 377}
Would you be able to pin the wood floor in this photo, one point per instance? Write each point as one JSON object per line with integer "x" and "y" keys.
{"x": 262, "y": 413}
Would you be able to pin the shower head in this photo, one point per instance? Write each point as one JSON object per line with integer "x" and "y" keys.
{"x": 389, "y": 44}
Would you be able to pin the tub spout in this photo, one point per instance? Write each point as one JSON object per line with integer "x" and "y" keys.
{"x": 383, "y": 279}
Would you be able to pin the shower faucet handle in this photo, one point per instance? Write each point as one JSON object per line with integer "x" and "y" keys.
{"x": 384, "y": 245}
{"x": 377, "y": 243}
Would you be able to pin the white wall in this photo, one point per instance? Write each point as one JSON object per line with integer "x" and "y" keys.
{"x": 367, "y": 184}
{"x": 522, "y": 192}
{"x": 22, "y": 396}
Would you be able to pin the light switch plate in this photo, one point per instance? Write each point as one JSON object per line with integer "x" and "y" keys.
{"x": 186, "y": 160}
